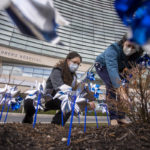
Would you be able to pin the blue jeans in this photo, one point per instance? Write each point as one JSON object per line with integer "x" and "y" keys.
{"x": 110, "y": 92}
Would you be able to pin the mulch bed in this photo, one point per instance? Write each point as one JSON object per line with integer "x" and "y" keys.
{"x": 52, "y": 137}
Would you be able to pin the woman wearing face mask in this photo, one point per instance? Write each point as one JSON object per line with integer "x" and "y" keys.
{"x": 64, "y": 73}
{"x": 109, "y": 65}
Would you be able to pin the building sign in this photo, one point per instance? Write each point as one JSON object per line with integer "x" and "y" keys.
{"x": 19, "y": 56}
{"x": 37, "y": 59}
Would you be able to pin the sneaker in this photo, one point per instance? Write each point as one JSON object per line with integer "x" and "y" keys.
{"x": 123, "y": 121}
{"x": 114, "y": 122}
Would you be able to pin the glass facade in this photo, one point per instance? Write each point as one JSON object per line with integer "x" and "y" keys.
{"x": 29, "y": 71}
{"x": 93, "y": 26}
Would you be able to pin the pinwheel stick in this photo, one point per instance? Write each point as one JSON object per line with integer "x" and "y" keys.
{"x": 62, "y": 119}
{"x": 38, "y": 102}
{"x": 96, "y": 118}
{"x": 3, "y": 106}
{"x": 79, "y": 118}
{"x": 85, "y": 119}
{"x": 70, "y": 127}
{"x": 107, "y": 115}
{"x": 7, "y": 113}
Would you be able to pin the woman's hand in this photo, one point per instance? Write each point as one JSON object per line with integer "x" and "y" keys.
{"x": 121, "y": 91}
{"x": 92, "y": 105}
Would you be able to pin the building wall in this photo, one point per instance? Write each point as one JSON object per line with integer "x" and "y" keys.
{"x": 93, "y": 26}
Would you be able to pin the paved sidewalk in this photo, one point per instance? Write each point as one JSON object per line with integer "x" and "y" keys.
{"x": 42, "y": 118}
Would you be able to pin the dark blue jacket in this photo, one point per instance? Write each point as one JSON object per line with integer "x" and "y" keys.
{"x": 115, "y": 61}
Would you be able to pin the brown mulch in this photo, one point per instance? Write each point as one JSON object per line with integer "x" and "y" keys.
{"x": 51, "y": 137}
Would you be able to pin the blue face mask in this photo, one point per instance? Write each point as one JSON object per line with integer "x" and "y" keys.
{"x": 73, "y": 67}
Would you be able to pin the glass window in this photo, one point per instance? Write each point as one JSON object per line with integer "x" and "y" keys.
{"x": 5, "y": 37}
{"x": 19, "y": 36}
{"x": 6, "y": 72}
{"x": 38, "y": 71}
{"x": 45, "y": 76}
{"x": 37, "y": 75}
{"x": 28, "y": 69}
{"x": 17, "y": 45}
{"x": 6, "y": 28}
{"x": 34, "y": 44}
{"x": 7, "y": 67}
{"x": 16, "y": 40}
{"x": 4, "y": 42}
{"x": 47, "y": 72}
{"x": 27, "y": 74}
{"x": 34, "y": 49}
{"x": 17, "y": 71}
{"x": 5, "y": 32}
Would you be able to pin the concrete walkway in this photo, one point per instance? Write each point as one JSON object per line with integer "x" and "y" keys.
{"x": 42, "y": 118}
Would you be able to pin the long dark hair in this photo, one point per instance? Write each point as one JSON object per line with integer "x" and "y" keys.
{"x": 67, "y": 75}
{"x": 122, "y": 41}
{"x": 134, "y": 57}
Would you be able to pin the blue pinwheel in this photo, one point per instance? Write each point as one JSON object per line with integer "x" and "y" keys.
{"x": 95, "y": 88}
{"x": 15, "y": 105}
{"x": 144, "y": 61}
{"x": 135, "y": 14}
{"x": 91, "y": 76}
{"x": 42, "y": 24}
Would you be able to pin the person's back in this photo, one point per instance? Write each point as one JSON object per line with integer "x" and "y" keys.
{"x": 113, "y": 53}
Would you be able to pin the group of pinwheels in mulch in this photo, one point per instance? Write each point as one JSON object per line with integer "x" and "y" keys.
{"x": 135, "y": 14}
{"x": 10, "y": 96}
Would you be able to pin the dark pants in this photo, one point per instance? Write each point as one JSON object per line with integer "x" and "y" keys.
{"x": 110, "y": 92}
{"x": 29, "y": 111}
{"x": 50, "y": 105}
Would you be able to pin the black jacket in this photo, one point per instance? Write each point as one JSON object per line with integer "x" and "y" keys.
{"x": 54, "y": 81}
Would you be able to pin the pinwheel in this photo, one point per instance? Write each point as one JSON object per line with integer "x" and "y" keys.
{"x": 16, "y": 102}
{"x": 144, "y": 61}
{"x": 9, "y": 93}
{"x": 135, "y": 14}
{"x": 66, "y": 96}
{"x": 36, "y": 18}
{"x": 95, "y": 88}
{"x": 36, "y": 94}
{"x": 90, "y": 76}
{"x": 3, "y": 90}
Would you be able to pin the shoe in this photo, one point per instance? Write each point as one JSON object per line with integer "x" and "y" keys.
{"x": 123, "y": 121}
{"x": 114, "y": 122}
{"x": 28, "y": 119}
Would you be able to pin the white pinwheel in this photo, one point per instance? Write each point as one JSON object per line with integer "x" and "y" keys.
{"x": 36, "y": 18}
{"x": 67, "y": 96}
{"x": 33, "y": 93}
{"x": 3, "y": 90}
{"x": 9, "y": 93}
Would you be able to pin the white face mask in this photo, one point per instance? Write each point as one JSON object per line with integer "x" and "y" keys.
{"x": 128, "y": 51}
{"x": 73, "y": 67}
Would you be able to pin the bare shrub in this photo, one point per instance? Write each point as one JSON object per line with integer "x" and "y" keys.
{"x": 137, "y": 87}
